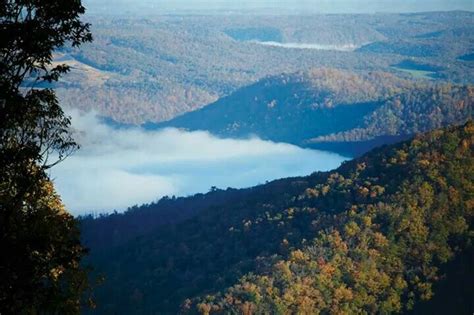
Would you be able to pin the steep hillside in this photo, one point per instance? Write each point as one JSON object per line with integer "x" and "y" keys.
{"x": 383, "y": 225}
{"x": 333, "y": 110}
{"x": 367, "y": 237}
{"x": 107, "y": 231}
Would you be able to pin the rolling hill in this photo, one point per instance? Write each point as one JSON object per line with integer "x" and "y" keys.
{"x": 332, "y": 110}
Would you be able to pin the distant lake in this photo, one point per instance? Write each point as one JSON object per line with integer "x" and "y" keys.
{"x": 120, "y": 167}
{"x": 346, "y": 47}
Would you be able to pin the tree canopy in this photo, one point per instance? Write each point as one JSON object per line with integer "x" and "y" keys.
{"x": 39, "y": 240}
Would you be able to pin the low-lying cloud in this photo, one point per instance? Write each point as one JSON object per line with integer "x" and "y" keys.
{"x": 117, "y": 168}
{"x": 345, "y": 47}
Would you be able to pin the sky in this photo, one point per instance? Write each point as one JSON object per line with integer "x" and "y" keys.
{"x": 276, "y": 6}
{"x": 118, "y": 168}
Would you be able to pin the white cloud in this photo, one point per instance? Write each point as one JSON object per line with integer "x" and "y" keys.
{"x": 117, "y": 168}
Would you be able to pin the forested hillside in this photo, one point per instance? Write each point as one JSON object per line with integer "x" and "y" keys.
{"x": 370, "y": 237}
{"x": 412, "y": 112}
{"x": 333, "y": 110}
{"x": 296, "y": 107}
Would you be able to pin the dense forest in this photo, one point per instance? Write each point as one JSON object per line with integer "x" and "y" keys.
{"x": 154, "y": 69}
{"x": 332, "y": 110}
{"x": 373, "y": 236}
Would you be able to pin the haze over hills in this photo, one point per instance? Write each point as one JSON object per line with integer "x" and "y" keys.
{"x": 153, "y": 69}
{"x": 147, "y": 7}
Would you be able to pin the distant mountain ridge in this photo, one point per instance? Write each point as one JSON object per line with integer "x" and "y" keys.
{"x": 158, "y": 67}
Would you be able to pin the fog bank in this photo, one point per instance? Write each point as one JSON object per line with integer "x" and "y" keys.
{"x": 347, "y": 47}
{"x": 117, "y": 168}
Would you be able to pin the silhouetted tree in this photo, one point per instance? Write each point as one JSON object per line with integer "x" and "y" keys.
{"x": 40, "y": 249}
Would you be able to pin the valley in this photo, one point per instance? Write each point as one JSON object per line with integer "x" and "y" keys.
{"x": 220, "y": 157}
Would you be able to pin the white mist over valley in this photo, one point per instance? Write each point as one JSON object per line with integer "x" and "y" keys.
{"x": 117, "y": 168}
{"x": 344, "y": 47}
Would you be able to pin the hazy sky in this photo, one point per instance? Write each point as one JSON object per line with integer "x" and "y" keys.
{"x": 115, "y": 169}
{"x": 282, "y": 6}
